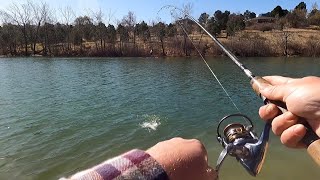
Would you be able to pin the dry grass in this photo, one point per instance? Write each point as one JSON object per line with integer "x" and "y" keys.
{"x": 302, "y": 42}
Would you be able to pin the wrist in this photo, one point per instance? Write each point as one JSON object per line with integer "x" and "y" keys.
{"x": 183, "y": 159}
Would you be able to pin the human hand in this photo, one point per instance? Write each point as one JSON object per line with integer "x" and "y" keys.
{"x": 183, "y": 159}
{"x": 302, "y": 97}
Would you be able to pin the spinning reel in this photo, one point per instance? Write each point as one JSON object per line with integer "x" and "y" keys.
{"x": 241, "y": 142}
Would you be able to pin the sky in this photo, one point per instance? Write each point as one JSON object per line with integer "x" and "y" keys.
{"x": 147, "y": 10}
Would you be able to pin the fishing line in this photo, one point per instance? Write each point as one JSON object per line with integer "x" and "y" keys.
{"x": 210, "y": 69}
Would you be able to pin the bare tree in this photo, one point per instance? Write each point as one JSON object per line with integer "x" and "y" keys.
{"x": 68, "y": 16}
{"x": 100, "y": 27}
{"x": 186, "y": 11}
{"x": 283, "y": 42}
{"x": 83, "y": 27}
{"x": 39, "y": 17}
{"x": 129, "y": 21}
{"x": 47, "y": 27}
{"x": 19, "y": 14}
{"x": 111, "y": 35}
{"x": 109, "y": 16}
{"x": 161, "y": 34}
{"x": 285, "y": 39}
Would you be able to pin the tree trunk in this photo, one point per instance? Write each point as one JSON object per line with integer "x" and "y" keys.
{"x": 162, "y": 46}
{"x": 185, "y": 45}
{"x": 286, "y": 35}
{"x": 120, "y": 47}
{"x": 45, "y": 50}
{"x": 68, "y": 40}
{"x": 101, "y": 43}
{"x": 97, "y": 46}
{"x": 24, "y": 32}
{"x": 36, "y": 39}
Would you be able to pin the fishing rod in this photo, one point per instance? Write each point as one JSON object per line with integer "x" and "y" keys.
{"x": 311, "y": 139}
{"x": 239, "y": 140}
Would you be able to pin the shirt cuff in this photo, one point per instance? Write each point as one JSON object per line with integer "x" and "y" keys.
{"x": 135, "y": 164}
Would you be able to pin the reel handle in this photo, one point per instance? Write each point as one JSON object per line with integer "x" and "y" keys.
{"x": 311, "y": 139}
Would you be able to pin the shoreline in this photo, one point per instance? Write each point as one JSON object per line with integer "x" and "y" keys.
{"x": 155, "y": 57}
{"x": 292, "y": 42}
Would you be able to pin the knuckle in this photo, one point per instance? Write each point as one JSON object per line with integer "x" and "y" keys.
{"x": 177, "y": 139}
{"x": 290, "y": 117}
{"x": 276, "y": 130}
{"x": 283, "y": 122}
{"x": 288, "y": 141}
{"x": 290, "y": 137}
{"x": 271, "y": 90}
{"x": 277, "y": 127}
{"x": 268, "y": 112}
{"x": 198, "y": 144}
{"x": 196, "y": 141}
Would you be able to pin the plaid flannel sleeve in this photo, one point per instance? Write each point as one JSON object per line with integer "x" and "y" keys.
{"x": 135, "y": 164}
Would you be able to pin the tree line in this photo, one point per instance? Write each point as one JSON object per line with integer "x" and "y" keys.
{"x": 31, "y": 28}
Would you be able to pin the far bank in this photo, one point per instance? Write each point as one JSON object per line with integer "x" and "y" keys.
{"x": 245, "y": 43}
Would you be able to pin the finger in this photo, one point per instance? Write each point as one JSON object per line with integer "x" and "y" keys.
{"x": 268, "y": 111}
{"x": 277, "y": 92}
{"x": 292, "y": 136}
{"x": 277, "y": 80}
{"x": 283, "y": 122}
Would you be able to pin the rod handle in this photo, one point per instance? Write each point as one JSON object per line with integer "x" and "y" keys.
{"x": 311, "y": 139}
{"x": 314, "y": 151}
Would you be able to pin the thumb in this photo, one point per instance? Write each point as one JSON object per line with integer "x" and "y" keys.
{"x": 275, "y": 92}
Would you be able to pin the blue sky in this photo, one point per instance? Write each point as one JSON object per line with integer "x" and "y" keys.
{"x": 147, "y": 9}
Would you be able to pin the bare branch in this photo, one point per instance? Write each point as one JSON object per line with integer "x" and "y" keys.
{"x": 129, "y": 20}
{"x": 110, "y": 16}
{"x": 97, "y": 16}
{"x": 67, "y": 14}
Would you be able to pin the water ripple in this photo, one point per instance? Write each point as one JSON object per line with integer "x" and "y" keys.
{"x": 58, "y": 116}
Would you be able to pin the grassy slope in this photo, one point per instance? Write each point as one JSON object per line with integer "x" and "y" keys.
{"x": 298, "y": 40}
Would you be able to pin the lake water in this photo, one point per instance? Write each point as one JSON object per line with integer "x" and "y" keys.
{"x": 61, "y": 115}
